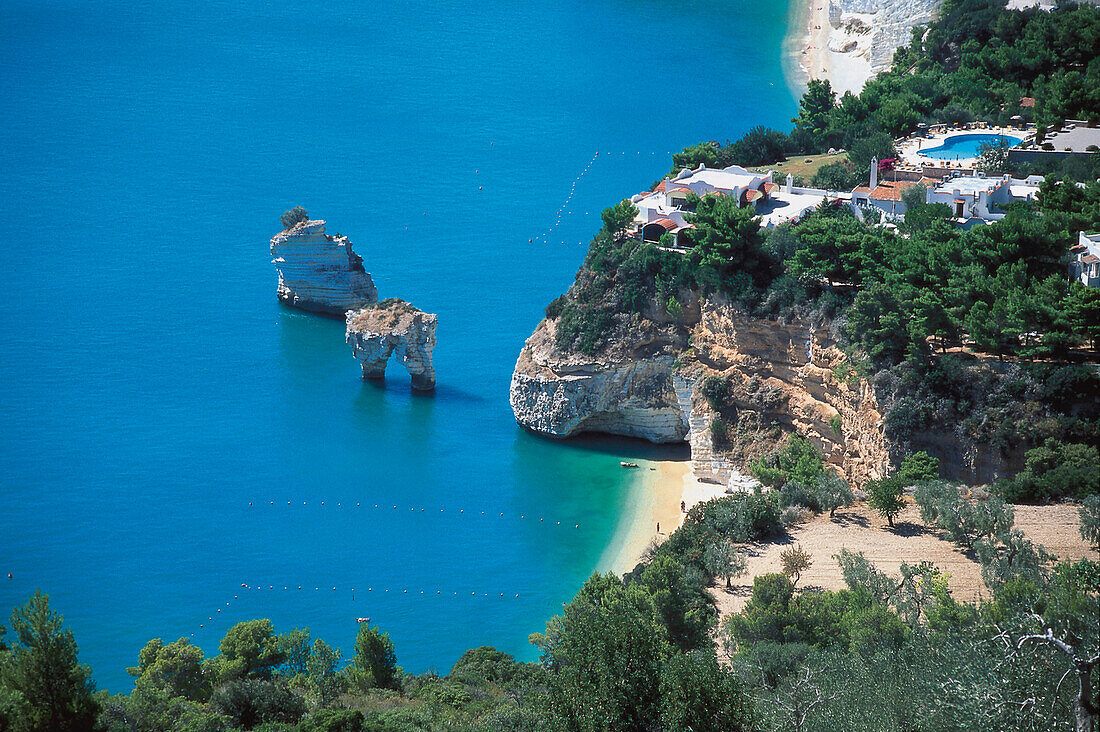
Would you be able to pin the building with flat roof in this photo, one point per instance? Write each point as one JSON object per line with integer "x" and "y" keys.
{"x": 979, "y": 197}
{"x": 1086, "y": 262}
{"x": 663, "y": 209}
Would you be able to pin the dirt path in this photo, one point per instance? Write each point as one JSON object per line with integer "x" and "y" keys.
{"x": 860, "y": 529}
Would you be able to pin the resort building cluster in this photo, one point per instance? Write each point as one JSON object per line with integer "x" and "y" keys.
{"x": 938, "y": 167}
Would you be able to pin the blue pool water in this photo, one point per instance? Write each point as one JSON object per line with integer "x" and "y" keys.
{"x": 960, "y": 147}
{"x": 156, "y": 398}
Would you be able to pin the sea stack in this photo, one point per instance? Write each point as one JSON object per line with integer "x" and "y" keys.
{"x": 394, "y": 326}
{"x": 319, "y": 272}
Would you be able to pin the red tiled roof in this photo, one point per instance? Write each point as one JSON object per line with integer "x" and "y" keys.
{"x": 1027, "y": 102}
{"x": 769, "y": 186}
{"x": 1090, "y": 259}
{"x": 682, "y": 190}
{"x": 751, "y": 195}
{"x": 892, "y": 190}
{"x": 1078, "y": 248}
{"x": 667, "y": 223}
{"x": 661, "y": 187}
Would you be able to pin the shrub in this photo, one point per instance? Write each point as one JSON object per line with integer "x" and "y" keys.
{"x": 294, "y": 216}
{"x": 249, "y": 702}
{"x": 798, "y": 460}
{"x": 553, "y": 310}
{"x": 964, "y": 521}
{"x": 832, "y": 492}
{"x": 917, "y": 467}
{"x": 719, "y": 432}
{"x": 836, "y": 425}
{"x": 1054, "y": 470}
{"x": 795, "y": 560}
{"x": 1090, "y": 520}
{"x": 794, "y": 493}
{"x": 716, "y": 390}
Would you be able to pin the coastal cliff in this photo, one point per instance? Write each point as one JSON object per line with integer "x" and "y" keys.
{"x": 627, "y": 390}
{"x": 394, "y": 327}
{"x": 319, "y": 272}
{"x": 778, "y": 378}
{"x": 781, "y": 378}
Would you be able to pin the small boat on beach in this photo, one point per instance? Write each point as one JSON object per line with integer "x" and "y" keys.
{"x": 628, "y": 465}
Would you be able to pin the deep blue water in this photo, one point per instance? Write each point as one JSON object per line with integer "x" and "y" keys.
{"x": 965, "y": 146}
{"x": 154, "y": 395}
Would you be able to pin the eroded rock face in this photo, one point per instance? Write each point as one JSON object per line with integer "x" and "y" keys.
{"x": 318, "y": 272}
{"x": 790, "y": 375}
{"x": 559, "y": 395}
{"x": 394, "y": 327}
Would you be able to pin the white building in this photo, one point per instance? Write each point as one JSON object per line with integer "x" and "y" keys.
{"x": 886, "y": 195}
{"x": 663, "y": 209}
{"x": 978, "y": 197}
{"x": 1086, "y": 263}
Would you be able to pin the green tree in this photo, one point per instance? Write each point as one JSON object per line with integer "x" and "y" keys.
{"x": 375, "y": 663}
{"x": 605, "y": 653}
{"x": 249, "y": 649}
{"x": 724, "y": 559}
{"x": 54, "y": 691}
{"x": 917, "y": 467}
{"x": 176, "y": 668}
{"x": 812, "y": 123}
{"x": 323, "y": 677}
{"x": 798, "y": 460}
{"x": 832, "y": 492}
{"x": 692, "y": 156}
{"x": 759, "y": 146}
{"x": 728, "y": 253}
{"x": 887, "y": 496}
{"x": 617, "y": 218}
{"x": 294, "y": 216}
{"x": 700, "y": 695}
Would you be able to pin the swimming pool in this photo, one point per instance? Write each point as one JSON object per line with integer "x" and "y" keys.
{"x": 959, "y": 147}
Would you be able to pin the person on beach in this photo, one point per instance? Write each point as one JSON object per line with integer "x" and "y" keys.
{"x": 683, "y": 507}
{"x": 658, "y": 527}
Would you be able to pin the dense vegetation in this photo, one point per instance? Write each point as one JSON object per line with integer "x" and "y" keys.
{"x": 976, "y": 334}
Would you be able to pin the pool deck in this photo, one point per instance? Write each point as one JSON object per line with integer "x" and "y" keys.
{"x": 909, "y": 149}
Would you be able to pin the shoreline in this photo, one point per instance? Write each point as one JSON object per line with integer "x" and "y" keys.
{"x": 806, "y": 50}
{"x": 656, "y": 495}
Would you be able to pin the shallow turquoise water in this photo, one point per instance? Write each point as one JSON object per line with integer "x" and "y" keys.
{"x": 958, "y": 147}
{"x": 154, "y": 396}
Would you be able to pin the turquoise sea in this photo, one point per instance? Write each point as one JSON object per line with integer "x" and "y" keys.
{"x": 155, "y": 398}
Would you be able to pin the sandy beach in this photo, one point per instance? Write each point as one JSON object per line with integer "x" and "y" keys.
{"x": 660, "y": 487}
{"x": 845, "y": 71}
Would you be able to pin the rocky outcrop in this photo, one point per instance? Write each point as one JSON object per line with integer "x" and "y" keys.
{"x": 623, "y": 392}
{"x": 394, "y": 327}
{"x": 782, "y": 378}
{"x": 876, "y": 28}
{"x": 319, "y": 272}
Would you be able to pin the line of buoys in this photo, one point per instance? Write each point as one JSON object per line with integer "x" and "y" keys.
{"x": 563, "y": 209}
{"x": 462, "y": 511}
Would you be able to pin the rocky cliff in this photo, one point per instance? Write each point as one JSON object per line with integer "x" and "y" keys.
{"x": 626, "y": 390}
{"x": 781, "y": 378}
{"x": 319, "y": 272}
{"x": 875, "y": 29}
{"x": 394, "y": 327}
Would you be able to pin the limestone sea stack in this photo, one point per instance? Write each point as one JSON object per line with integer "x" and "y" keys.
{"x": 319, "y": 272}
{"x": 394, "y": 326}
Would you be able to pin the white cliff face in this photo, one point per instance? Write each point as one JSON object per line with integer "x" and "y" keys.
{"x": 562, "y": 395}
{"x": 394, "y": 327}
{"x": 874, "y": 29}
{"x": 318, "y": 272}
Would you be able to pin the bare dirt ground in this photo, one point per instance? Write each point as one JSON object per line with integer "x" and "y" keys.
{"x": 860, "y": 529}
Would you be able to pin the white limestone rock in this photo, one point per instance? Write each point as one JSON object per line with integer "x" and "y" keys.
{"x": 559, "y": 395}
{"x": 394, "y": 327}
{"x": 318, "y": 272}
